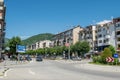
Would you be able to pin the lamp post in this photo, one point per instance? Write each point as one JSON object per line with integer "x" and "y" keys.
{"x": 69, "y": 52}
{"x": 69, "y": 49}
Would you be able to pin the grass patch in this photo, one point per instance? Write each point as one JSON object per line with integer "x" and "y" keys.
{"x": 110, "y": 64}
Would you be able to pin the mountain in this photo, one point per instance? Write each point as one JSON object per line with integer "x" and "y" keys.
{"x": 36, "y": 38}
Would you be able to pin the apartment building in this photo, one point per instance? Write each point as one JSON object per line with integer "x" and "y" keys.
{"x": 89, "y": 34}
{"x": 43, "y": 44}
{"x": 105, "y": 34}
{"x": 67, "y": 37}
{"x": 116, "y": 22}
{"x": 2, "y": 25}
{"x": 40, "y": 44}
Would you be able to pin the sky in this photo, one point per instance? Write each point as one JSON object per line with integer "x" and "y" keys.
{"x": 25, "y": 18}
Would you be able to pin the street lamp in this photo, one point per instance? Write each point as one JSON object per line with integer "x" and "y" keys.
{"x": 69, "y": 48}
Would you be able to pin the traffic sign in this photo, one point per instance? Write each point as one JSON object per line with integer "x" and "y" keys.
{"x": 109, "y": 59}
{"x": 115, "y": 55}
{"x": 20, "y": 48}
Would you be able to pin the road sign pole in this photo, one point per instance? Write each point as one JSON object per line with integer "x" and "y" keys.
{"x": 116, "y": 62}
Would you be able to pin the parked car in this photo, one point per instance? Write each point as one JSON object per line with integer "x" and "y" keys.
{"x": 28, "y": 58}
{"x": 39, "y": 58}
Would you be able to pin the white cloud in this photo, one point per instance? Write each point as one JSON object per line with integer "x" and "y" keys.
{"x": 103, "y": 22}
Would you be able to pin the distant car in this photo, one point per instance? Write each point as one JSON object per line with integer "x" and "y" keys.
{"x": 28, "y": 58}
{"x": 39, "y": 58}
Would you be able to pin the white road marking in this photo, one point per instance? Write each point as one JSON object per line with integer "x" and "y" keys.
{"x": 7, "y": 72}
{"x": 31, "y": 72}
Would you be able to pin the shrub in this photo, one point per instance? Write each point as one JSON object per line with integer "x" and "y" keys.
{"x": 106, "y": 53}
{"x": 97, "y": 59}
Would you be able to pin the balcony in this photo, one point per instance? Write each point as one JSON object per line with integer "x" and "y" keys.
{"x": 107, "y": 43}
{"x": 118, "y": 28}
{"x": 118, "y": 42}
{"x": 1, "y": 8}
{"x": 107, "y": 36}
{"x": 118, "y": 35}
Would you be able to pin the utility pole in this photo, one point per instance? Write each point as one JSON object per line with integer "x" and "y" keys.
{"x": 69, "y": 52}
{"x": 69, "y": 49}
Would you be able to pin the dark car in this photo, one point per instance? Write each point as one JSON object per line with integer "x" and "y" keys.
{"x": 39, "y": 58}
{"x": 28, "y": 58}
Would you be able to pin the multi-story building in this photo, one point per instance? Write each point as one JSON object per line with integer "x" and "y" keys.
{"x": 2, "y": 25}
{"x": 43, "y": 44}
{"x": 40, "y": 44}
{"x": 105, "y": 34}
{"x": 99, "y": 36}
{"x": 89, "y": 34}
{"x": 116, "y": 22}
{"x": 67, "y": 37}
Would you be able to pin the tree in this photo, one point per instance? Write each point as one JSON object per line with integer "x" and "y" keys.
{"x": 106, "y": 53}
{"x": 112, "y": 49}
{"x": 81, "y": 47}
{"x": 12, "y": 44}
{"x": 85, "y": 47}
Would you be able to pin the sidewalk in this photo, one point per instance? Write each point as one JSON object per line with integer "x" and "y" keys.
{"x": 83, "y": 64}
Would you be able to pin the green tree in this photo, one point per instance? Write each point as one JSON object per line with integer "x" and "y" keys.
{"x": 12, "y": 44}
{"x": 106, "y": 53}
{"x": 81, "y": 47}
{"x": 85, "y": 47}
{"x": 112, "y": 49}
{"x": 40, "y": 51}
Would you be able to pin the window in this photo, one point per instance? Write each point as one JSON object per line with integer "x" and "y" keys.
{"x": 117, "y": 25}
{"x": 118, "y": 33}
{"x": 103, "y": 29}
{"x": 100, "y": 35}
{"x": 100, "y": 41}
{"x": 96, "y": 37}
{"x": 104, "y": 35}
{"x": 118, "y": 39}
{"x": 96, "y": 42}
{"x": 107, "y": 40}
{"x": 104, "y": 41}
{"x": 119, "y": 45}
{"x": 99, "y": 30}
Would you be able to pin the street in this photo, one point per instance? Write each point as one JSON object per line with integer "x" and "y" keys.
{"x": 54, "y": 70}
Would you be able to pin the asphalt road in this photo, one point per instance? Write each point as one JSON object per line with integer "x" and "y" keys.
{"x": 53, "y": 70}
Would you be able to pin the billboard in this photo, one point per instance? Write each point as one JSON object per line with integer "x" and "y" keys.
{"x": 20, "y": 48}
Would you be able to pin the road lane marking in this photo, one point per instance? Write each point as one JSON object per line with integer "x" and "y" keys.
{"x": 7, "y": 72}
{"x": 31, "y": 72}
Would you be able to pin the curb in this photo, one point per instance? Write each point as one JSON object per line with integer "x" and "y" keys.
{"x": 2, "y": 72}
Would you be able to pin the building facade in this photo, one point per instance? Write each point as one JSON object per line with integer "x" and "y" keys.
{"x": 89, "y": 34}
{"x": 105, "y": 35}
{"x": 40, "y": 44}
{"x": 102, "y": 35}
{"x": 2, "y": 25}
{"x": 116, "y": 22}
{"x": 67, "y": 37}
{"x": 99, "y": 36}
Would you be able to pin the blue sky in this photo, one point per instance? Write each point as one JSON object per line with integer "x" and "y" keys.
{"x": 26, "y": 18}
